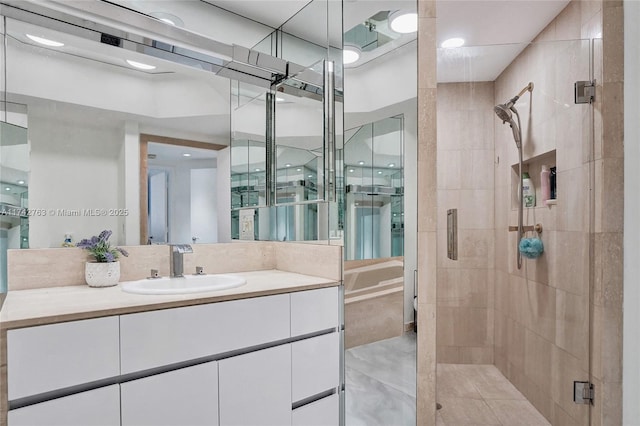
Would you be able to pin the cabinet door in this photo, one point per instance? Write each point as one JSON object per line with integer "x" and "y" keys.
{"x": 314, "y": 310}
{"x": 198, "y": 331}
{"x": 188, "y": 396}
{"x": 315, "y": 366}
{"x": 324, "y": 412}
{"x": 98, "y": 407}
{"x": 55, "y": 356}
{"x": 255, "y": 388}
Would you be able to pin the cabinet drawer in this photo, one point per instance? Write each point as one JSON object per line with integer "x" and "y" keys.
{"x": 98, "y": 407}
{"x": 314, "y": 310}
{"x": 55, "y": 356}
{"x": 255, "y": 388}
{"x": 188, "y": 396}
{"x": 323, "y": 412}
{"x": 315, "y": 366}
{"x": 153, "y": 339}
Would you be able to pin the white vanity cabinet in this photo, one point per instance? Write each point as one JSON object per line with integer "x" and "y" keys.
{"x": 255, "y": 388}
{"x": 269, "y": 360}
{"x": 97, "y": 407}
{"x": 187, "y": 396}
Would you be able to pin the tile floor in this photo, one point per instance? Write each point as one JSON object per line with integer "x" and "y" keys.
{"x": 381, "y": 390}
{"x": 481, "y": 395}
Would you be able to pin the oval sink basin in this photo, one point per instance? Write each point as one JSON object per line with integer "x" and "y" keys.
{"x": 183, "y": 285}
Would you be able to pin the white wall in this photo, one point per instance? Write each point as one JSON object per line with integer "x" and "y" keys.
{"x": 74, "y": 166}
{"x": 631, "y": 320}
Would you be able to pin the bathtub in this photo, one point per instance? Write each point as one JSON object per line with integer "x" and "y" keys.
{"x": 373, "y": 301}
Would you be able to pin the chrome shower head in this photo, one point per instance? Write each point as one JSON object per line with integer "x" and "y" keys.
{"x": 503, "y": 112}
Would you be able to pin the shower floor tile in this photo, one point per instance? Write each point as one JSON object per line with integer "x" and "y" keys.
{"x": 481, "y": 395}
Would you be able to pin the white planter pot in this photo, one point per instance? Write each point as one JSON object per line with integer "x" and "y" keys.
{"x": 102, "y": 274}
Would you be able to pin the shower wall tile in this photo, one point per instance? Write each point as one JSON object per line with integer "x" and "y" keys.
{"x": 608, "y": 252}
{"x": 540, "y": 310}
{"x": 609, "y": 195}
{"x": 476, "y": 355}
{"x": 463, "y": 327}
{"x": 590, "y": 9}
{"x": 572, "y": 325}
{"x": 564, "y": 371}
{"x": 475, "y": 249}
{"x": 570, "y": 271}
{"x": 539, "y": 397}
{"x": 613, "y": 40}
{"x": 463, "y": 288}
{"x": 427, "y": 53}
{"x": 427, "y": 278}
{"x": 538, "y": 359}
{"x": 613, "y": 119}
{"x": 567, "y": 23}
{"x": 573, "y": 199}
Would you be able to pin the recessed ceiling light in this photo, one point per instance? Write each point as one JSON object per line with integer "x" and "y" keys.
{"x": 186, "y": 154}
{"x": 361, "y": 162}
{"x": 257, "y": 170}
{"x": 310, "y": 175}
{"x": 140, "y": 65}
{"x": 45, "y": 41}
{"x": 403, "y": 22}
{"x": 379, "y": 172}
{"x": 288, "y": 165}
{"x": 7, "y": 189}
{"x": 452, "y": 43}
{"x": 351, "y": 170}
{"x": 392, "y": 165}
{"x": 168, "y": 18}
{"x": 350, "y": 54}
{"x": 298, "y": 170}
{"x": 20, "y": 182}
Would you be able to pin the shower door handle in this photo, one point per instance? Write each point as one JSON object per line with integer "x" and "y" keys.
{"x": 452, "y": 234}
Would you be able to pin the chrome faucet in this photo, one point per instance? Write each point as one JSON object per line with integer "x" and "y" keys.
{"x": 177, "y": 258}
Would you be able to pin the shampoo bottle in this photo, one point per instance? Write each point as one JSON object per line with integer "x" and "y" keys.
{"x": 545, "y": 185}
{"x": 528, "y": 191}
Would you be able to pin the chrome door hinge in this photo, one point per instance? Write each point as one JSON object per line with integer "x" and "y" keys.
{"x": 585, "y": 91}
{"x": 583, "y": 393}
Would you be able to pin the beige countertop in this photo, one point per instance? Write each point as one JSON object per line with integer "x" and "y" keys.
{"x": 24, "y": 308}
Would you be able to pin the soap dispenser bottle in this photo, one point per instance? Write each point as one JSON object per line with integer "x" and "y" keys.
{"x": 528, "y": 191}
{"x": 545, "y": 184}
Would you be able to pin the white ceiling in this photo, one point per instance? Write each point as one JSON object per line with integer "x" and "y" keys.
{"x": 496, "y": 31}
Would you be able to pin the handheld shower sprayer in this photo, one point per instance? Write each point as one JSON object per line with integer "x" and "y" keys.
{"x": 505, "y": 113}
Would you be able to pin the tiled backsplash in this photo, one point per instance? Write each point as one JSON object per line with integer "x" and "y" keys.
{"x": 55, "y": 267}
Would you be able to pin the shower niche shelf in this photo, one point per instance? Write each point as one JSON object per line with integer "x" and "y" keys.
{"x": 533, "y": 166}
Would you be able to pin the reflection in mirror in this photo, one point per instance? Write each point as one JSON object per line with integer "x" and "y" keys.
{"x": 180, "y": 201}
{"x": 14, "y": 195}
{"x": 380, "y": 164}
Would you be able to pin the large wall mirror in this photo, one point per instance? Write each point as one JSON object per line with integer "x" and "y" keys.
{"x": 85, "y": 96}
{"x": 380, "y": 213}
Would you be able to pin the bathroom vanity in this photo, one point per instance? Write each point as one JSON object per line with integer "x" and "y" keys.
{"x": 267, "y": 353}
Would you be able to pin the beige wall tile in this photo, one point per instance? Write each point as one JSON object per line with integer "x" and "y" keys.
{"x": 476, "y": 355}
{"x": 540, "y": 308}
{"x": 426, "y": 52}
{"x": 570, "y": 270}
{"x": 426, "y": 364}
{"x": 448, "y": 355}
{"x": 572, "y": 325}
{"x": 463, "y": 327}
{"x": 427, "y": 279}
{"x": 613, "y": 39}
{"x": 613, "y": 119}
{"x": 231, "y": 257}
{"x": 538, "y": 360}
{"x": 463, "y": 288}
{"x": 311, "y": 259}
{"x": 565, "y": 369}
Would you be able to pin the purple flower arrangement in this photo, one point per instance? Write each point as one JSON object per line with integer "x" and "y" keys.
{"x": 100, "y": 248}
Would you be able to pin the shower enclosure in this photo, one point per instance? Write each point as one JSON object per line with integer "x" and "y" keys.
{"x": 529, "y": 324}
